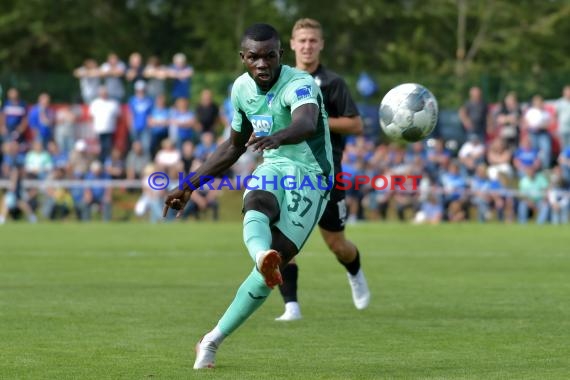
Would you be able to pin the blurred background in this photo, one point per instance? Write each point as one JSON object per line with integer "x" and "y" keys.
{"x": 115, "y": 90}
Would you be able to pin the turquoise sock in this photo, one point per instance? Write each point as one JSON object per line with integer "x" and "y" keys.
{"x": 251, "y": 294}
{"x": 256, "y": 232}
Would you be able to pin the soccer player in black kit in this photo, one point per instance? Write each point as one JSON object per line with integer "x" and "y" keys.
{"x": 344, "y": 119}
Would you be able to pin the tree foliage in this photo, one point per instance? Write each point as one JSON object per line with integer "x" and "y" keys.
{"x": 459, "y": 39}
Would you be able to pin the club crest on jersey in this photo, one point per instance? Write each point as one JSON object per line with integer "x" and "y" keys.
{"x": 303, "y": 92}
{"x": 261, "y": 124}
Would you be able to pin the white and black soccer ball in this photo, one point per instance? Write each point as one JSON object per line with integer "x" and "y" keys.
{"x": 408, "y": 113}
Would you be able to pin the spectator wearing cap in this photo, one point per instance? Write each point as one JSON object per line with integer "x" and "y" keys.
{"x": 181, "y": 73}
{"x": 140, "y": 109}
{"x": 79, "y": 158}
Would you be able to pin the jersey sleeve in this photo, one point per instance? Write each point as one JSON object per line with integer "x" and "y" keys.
{"x": 301, "y": 91}
{"x": 237, "y": 119}
{"x": 342, "y": 100}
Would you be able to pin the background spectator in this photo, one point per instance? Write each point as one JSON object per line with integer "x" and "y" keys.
{"x": 563, "y": 114}
{"x": 42, "y": 120}
{"x": 159, "y": 123}
{"x": 507, "y": 120}
{"x": 13, "y": 121}
{"x": 536, "y": 121}
{"x": 105, "y": 112}
{"x": 473, "y": 114}
{"x": 180, "y": 73}
{"x": 112, "y": 73}
{"x": 208, "y": 112}
{"x": 89, "y": 80}
{"x": 140, "y": 109}
{"x": 155, "y": 75}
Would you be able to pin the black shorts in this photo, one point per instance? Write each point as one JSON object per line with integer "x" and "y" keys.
{"x": 336, "y": 213}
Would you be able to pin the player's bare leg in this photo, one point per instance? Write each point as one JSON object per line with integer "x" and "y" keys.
{"x": 347, "y": 254}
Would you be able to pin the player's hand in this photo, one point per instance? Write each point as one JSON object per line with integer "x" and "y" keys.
{"x": 177, "y": 201}
{"x": 262, "y": 143}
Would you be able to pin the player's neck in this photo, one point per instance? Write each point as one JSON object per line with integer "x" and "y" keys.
{"x": 310, "y": 68}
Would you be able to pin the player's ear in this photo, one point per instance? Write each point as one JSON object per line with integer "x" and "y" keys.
{"x": 241, "y": 56}
{"x": 280, "y": 53}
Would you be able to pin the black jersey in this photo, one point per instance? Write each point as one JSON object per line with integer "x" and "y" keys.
{"x": 338, "y": 103}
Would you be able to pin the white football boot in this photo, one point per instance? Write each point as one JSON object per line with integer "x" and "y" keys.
{"x": 205, "y": 354}
{"x": 360, "y": 291}
{"x": 292, "y": 313}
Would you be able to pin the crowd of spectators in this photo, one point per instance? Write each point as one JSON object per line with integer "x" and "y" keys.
{"x": 514, "y": 164}
{"x": 514, "y": 167}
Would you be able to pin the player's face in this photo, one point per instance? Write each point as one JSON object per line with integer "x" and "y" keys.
{"x": 307, "y": 44}
{"x": 262, "y": 60}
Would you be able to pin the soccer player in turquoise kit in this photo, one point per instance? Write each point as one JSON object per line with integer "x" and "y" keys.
{"x": 279, "y": 111}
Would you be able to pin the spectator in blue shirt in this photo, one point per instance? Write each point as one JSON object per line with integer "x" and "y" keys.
{"x": 454, "y": 186}
{"x": 206, "y": 147}
{"x": 158, "y": 122}
{"x": 42, "y": 120}
{"x": 13, "y": 121}
{"x": 526, "y": 157}
{"x": 183, "y": 123}
{"x": 140, "y": 108}
{"x": 181, "y": 73}
{"x": 480, "y": 197}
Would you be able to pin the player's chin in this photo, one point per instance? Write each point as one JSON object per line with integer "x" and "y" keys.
{"x": 263, "y": 78}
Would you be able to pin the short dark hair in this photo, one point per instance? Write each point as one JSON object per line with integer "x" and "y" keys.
{"x": 260, "y": 32}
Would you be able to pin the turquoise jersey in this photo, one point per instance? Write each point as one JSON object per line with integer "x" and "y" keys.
{"x": 269, "y": 112}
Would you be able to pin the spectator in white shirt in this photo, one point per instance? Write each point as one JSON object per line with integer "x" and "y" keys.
{"x": 105, "y": 113}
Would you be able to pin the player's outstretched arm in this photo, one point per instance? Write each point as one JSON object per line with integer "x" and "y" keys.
{"x": 303, "y": 125}
{"x": 346, "y": 125}
{"x": 220, "y": 161}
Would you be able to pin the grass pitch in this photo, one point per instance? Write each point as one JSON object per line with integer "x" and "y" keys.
{"x": 129, "y": 301}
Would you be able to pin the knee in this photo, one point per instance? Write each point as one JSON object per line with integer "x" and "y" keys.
{"x": 263, "y": 202}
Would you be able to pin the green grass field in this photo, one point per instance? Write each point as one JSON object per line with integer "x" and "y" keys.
{"x": 129, "y": 301}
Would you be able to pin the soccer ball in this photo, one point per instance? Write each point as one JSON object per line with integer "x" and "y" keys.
{"x": 408, "y": 113}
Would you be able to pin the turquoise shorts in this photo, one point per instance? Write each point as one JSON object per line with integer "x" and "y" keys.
{"x": 302, "y": 197}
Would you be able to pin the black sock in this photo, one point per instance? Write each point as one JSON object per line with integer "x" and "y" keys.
{"x": 289, "y": 288}
{"x": 354, "y": 266}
